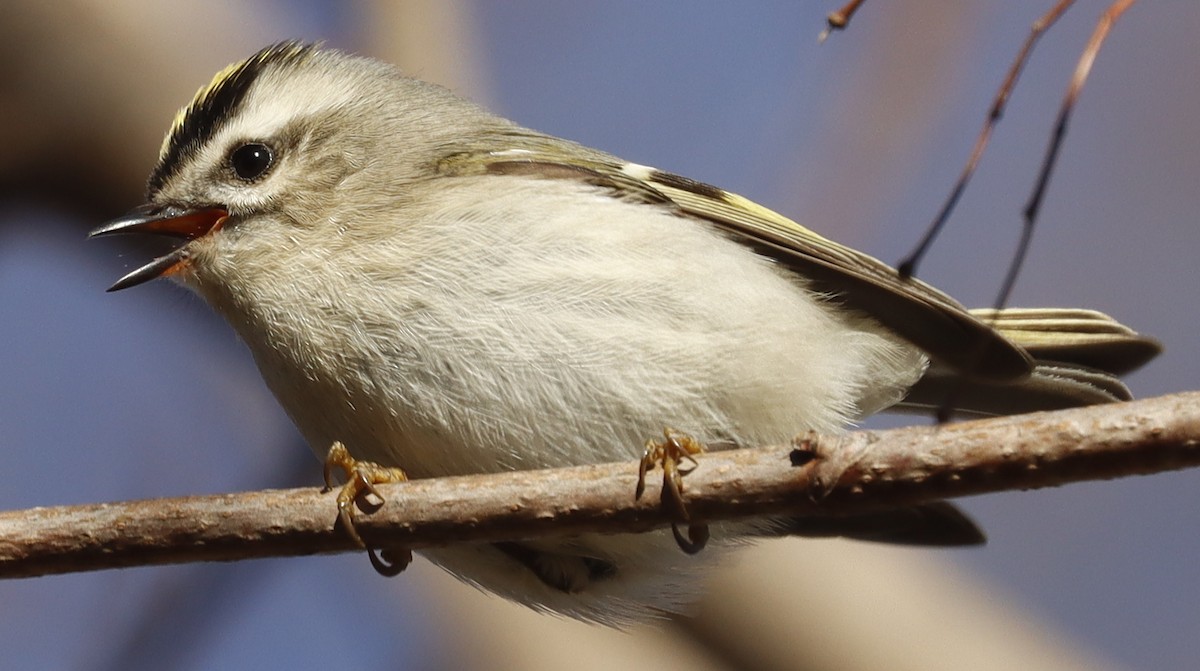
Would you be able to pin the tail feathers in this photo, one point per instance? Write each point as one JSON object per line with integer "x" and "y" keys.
{"x": 937, "y": 524}
{"x": 1050, "y": 387}
{"x": 1077, "y": 355}
{"x": 1074, "y": 336}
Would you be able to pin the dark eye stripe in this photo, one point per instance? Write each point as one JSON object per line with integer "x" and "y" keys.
{"x": 215, "y": 104}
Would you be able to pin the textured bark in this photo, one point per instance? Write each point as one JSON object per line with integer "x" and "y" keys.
{"x": 814, "y": 475}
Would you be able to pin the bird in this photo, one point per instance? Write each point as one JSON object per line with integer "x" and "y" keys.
{"x": 437, "y": 289}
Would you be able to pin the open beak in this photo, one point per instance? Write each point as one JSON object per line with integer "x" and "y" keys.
{"x": 167, "y": 220}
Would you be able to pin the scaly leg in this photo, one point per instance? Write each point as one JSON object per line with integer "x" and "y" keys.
{"x": 674, "y": 448}
{"x": 361, "y": 478}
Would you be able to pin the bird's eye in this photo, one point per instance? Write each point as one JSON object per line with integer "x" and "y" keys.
{"x": 251, "y": 160}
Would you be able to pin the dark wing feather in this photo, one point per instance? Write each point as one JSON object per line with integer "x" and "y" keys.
{"x": 1074, "y": 336}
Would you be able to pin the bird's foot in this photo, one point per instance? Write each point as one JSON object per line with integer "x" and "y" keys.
{"x": 361, "y": 478}
{"x": 671, "y": 452}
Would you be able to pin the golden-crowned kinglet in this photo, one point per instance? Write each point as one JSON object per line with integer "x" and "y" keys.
{"x": 447, "y": 292}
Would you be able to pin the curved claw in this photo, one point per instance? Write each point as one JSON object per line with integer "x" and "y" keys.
{"x": 390, "y": 562}
{"x": 346, "y": 520}
{"x": 361, "y": 478}
{"x": 697, "y": 537}
{"x": 670, "y": 452}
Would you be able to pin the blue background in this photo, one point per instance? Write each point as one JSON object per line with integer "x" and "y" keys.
{"x": 146, "y": 394}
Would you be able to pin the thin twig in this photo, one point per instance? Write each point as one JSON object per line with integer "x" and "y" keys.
{"x": 1110, "y": 16}
{"x": 838, "y": 20}
{"x": 813, "y": 476}
{"x": 908, "y": 265}
{"x": 1034, "y": 206}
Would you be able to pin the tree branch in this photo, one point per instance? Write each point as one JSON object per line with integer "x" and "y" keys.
{"x": 815, "y": 475}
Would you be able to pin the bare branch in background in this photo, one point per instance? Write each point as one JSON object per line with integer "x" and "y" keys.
{"x": 838, "y": 20}
{"x": 908, "y": 266}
